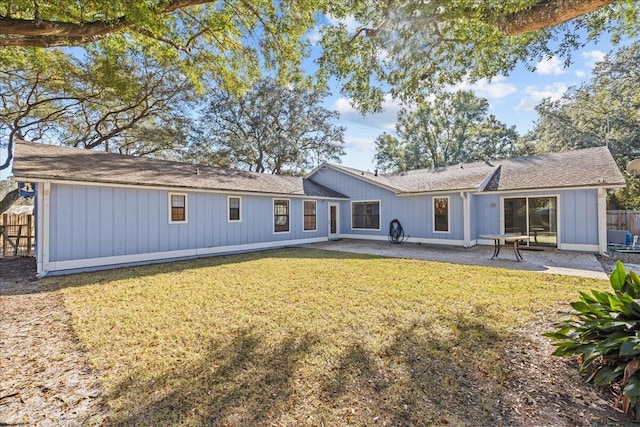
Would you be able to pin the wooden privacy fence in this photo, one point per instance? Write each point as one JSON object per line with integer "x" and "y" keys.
{"x": 17, "y": 235}
{"x": 624, "y": 220}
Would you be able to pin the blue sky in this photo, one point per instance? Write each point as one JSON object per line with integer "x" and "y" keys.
{"x": 512, "y": 100}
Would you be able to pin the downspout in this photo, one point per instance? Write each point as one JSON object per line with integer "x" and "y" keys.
{"x": 42, "y": 235}
{"x": 466, "y": 219}
{"x": 602, "y": 221}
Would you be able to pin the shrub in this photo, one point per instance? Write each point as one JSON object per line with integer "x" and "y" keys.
{"x": 604, "y": 332}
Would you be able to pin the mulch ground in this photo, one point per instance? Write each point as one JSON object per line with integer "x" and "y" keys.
{"x": 45, "y": 379}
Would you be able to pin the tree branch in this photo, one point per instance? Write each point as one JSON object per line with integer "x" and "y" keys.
{"x": 547, "y": 13}
{"x": 47, "y": 33}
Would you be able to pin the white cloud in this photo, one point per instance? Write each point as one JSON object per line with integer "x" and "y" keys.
{"x": 490, "y": 89}
{"x": 535, "y": 94}
{"x": 360, "y": 143}
{"x": 580, "y": 73}
{"x": 593, "y": 56}
{"x": 385, "y": 120}
{"x": 551, "y": 65}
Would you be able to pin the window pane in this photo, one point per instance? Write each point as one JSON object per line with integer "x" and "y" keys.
{"x": 441, "y": 214}
{"x": 178, "y": 207}
{"x": 366, "y": 215}
{"x": 309, "y": 216}
{"x": 177, "y": 201}
{"x": 234, "y": 208}
{"x": 281, "y": 215}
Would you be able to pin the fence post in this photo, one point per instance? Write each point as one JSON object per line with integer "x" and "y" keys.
{"x": 29, "y": 229}
{"x": 6, "y": 232}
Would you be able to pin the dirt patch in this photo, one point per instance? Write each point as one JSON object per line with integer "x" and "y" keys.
{"x": 45, "y": 379}
{"x": 545, "y": 390}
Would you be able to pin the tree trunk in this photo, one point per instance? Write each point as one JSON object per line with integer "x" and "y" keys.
{"x": 9, "y": 200}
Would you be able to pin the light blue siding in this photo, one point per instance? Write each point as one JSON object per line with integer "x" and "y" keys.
{"x": 579, "y": 217}
{"x": 95, "y": 222}
{"x": 415, "y": 213}
{"x": 485, "y": 214}
{"x": 577, "y": 212}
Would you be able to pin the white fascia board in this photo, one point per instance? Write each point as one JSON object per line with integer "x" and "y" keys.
{"x": 438, "y": 192}
{"x": 537, "y": 190}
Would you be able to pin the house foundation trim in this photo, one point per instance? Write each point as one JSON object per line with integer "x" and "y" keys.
{"x": 169, "y": 255}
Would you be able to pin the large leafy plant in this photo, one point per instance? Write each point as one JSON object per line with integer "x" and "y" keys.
{"x": 604, "y": 332}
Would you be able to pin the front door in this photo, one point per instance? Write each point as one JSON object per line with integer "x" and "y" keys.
{"x": 334, "y": 221}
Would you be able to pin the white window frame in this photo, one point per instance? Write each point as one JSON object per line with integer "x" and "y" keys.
{"x": 379, "y": 202}
{"x": 315, "y": 226}
{"x": 530, "y": 195}
{"x": 229, "y": 209}
{"x": 273, "y": 215}
{"x": 186, "y": 208}
{"x": 433, "y": 215}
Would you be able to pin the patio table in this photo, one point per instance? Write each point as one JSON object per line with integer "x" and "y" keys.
{"x": 508, "y": 238}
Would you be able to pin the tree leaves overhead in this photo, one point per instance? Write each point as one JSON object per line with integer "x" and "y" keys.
{"x": 269, "y": 129}
{"x": 412, "y": 48}
{"x": 228, "y": 40}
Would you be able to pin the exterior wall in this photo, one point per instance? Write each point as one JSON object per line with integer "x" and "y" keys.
{"x": 577, "y": 216}
{"x": 415, "y": 213}
{"x": 108, "y": 224}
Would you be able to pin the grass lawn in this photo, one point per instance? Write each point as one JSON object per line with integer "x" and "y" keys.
{"x": 306, "y": 337}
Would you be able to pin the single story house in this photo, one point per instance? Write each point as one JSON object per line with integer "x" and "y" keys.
{"x": 98, "y": 210}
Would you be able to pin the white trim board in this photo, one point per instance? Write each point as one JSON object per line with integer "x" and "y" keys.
{"x": 578, "y": 247}
{"x": 169, "y": 255}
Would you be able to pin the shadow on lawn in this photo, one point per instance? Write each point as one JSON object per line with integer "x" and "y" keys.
{"x": 420, "y": 378}
{"x": 248, "y": 387}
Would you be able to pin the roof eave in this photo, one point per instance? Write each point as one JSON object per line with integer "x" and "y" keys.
{"x": 447, "y": 191}
{"x": 58, "y": 180}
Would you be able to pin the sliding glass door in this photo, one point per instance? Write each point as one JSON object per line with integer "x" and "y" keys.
{"x": 533, "y": 216}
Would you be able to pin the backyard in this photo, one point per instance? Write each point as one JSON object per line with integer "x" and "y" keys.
{"x": 312, "y": 337}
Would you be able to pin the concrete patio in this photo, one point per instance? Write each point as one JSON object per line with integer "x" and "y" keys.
{"x": 543, "y": 261}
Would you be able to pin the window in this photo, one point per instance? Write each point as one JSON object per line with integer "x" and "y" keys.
{"x": 233, "y": 202}
{"x": 365, "y": 215}
{"x": 441, "y": 214}
{"x": 177, "y": 208}
{"x": 309, "y": 215}
{"x": 280, "y": 216}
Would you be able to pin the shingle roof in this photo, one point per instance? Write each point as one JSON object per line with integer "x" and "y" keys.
{"x": 580, "y": 168}
{"x": 589, "y": 167}
{"x": 39, "y": 161}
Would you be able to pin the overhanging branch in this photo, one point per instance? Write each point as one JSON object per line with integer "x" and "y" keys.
{"x": 547, "y": 13}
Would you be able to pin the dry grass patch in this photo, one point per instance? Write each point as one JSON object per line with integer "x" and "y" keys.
{"x": 306, "y": 337}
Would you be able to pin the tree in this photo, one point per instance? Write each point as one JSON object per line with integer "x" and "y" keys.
{"x": 269, "y": 129}
{"x": 390, "y": 154}
{"x": 133, "y": 105}
{"x": 411, "y": 48}
{"x": 448, "y": 129}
